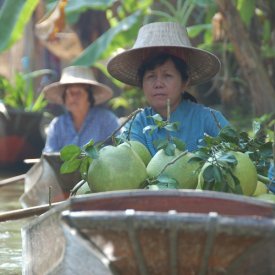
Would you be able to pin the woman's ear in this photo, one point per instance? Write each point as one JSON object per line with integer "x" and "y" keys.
{"x": 185, "y": 84}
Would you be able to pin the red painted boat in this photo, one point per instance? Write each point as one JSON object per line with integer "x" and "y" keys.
{"x": 21, "y": 136}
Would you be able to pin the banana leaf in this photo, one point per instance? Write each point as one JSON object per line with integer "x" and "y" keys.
{"x": 14, "y": 15}
{"x": 106, "y": 43}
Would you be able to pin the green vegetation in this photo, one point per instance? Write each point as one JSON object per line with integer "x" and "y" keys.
{"x": 21, "y": 94}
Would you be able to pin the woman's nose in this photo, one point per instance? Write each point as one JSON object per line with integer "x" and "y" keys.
{"x": 158, "y": 82}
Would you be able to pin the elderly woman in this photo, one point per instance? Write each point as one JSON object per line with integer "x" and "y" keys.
{"x": 164, "y": 64}
{"x": 83, "y": 120}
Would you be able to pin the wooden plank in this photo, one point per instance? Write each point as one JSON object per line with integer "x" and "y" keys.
{"x": 12, "y": 180}
{"x": 26, "y": 212}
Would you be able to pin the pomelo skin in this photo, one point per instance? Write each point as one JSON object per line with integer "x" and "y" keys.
{"x": 245, "y": 171}
{"x": 141, "y": 150}
{"x": 116, "y": 168}
{"x": 261, "y": 188}
{"x": 181, "y": 171}
{"x": 269, "y": 197}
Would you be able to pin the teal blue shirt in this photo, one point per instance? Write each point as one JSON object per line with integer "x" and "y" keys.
{"x": 195, "y": 121}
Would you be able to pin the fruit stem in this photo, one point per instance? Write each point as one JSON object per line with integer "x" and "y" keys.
{"x": 168, "y": 117}
{"x": 216, "y": 120}
{"x": 173, "y": 161}
{"x": 263, "y": 179}
{"x": 132, "y": 115}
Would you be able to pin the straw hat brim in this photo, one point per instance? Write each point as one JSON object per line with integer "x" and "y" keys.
{"x": 54, "y": 91}
{"x": 202, "y": 65}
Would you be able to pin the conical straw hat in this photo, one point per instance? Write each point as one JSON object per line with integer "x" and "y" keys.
{"x": 163, "y": 37}
{"x": 76, "y": 75}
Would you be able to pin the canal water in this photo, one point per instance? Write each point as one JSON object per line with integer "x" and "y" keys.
{"x": 10, "y": 231}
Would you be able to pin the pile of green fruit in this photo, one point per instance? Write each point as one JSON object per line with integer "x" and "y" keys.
{"x": 232, "y": 162}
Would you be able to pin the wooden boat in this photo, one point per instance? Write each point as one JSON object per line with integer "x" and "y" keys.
{"x": 44, "y": 182}
{"x": 21, "y": 136}
{"x": 152, "y": 232}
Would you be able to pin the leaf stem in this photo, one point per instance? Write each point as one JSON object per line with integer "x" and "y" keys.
{"x": 215, "y": 118}
{"x": 263, "y": 179}
{"x": 133, "y": 114}
{"x": 173, "y": 161}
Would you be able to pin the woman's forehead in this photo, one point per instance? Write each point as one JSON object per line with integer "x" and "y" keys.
{"x": 76, "y": 87}
{"x": 166, "y": 65}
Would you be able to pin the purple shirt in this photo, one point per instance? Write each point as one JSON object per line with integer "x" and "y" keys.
{"x": 98, "y": 125}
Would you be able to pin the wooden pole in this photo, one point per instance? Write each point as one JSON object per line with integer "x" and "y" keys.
{"x": 26, "y": 212}
{"x": 12, "y": 180}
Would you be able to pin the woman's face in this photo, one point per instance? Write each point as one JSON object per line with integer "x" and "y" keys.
{"x": 162, "y": 83}
{"x": 76, "y": 98}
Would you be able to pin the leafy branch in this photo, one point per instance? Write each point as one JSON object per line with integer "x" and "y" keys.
{"x": 76, "y": 158}
{"x": 217, "y": 152}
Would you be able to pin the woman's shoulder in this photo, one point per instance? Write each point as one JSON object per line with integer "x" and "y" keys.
{"x": 100, "y": 110}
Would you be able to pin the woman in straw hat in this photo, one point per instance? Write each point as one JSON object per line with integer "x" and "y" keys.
{"x": 164, "y": 64}
{"x": 80, "y": 93}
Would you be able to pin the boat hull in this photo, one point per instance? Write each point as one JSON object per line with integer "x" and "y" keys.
{"x": 44, "y": 182}
{"x": 153, "y": 232}
{"x": 21, "y": 136}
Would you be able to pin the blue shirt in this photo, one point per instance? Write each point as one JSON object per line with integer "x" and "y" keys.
{"x": 271, "y": 173}
{"x": 98, "y": 125}
{"x": 195, "y": 121}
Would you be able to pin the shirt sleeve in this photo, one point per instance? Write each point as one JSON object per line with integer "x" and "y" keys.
{"x": 52, "y": 137}
{"x": 271, "y": 173}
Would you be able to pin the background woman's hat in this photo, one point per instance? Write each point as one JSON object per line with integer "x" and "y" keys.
{"x": 76, "y": 75}
{"x": 168, "y": 37}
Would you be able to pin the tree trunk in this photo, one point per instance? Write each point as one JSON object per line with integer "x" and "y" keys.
{"x": 262, "y": 92}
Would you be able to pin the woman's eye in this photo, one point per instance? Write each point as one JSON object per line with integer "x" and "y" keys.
{"x": 149, "y": 76}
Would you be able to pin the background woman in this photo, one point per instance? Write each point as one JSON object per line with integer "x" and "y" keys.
{"x": 83, "y": 120}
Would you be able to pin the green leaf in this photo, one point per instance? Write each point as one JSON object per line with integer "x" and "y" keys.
{"x": 165, "y": 179}
{"x": 172, "y": 126}
{"x": 266, "y": 150}
{"x": 69, "y": 152}
{"x": 92, "y": 152}
{"x": 164, "y": 182}
{"x": 237, "y": 187}
{"x": 84, "y": 167}
{"x": 156, "y": 117}
{"x": 228, "y": 158}
{"x": 70, "y": 166}
{"x": 179, "y": 143}
{"x": 229, "y": 134}
{"x": 160, "y": 143}
{"x": 13, "y": 18}
{"x": 208, "y": 176}
{"x": 94, "y": 52}
{"x": 246, "y": 9}
{"x": 170, "y": 149}
{"x": 150, "y": 128}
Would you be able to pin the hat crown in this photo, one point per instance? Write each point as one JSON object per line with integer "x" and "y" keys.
{"x": 162, "y": 34}
{"x": 77, "y": 74}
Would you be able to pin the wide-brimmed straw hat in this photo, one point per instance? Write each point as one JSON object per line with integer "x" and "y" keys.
{"x": 76, "y": 75}
{"x": 166, "y": 37}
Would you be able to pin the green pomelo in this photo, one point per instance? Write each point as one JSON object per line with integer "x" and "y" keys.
{"x": 261, "y": 188}
{"x": 245, "y": 171}
{"x": 141, "y": 150}
{"x": 266, "y": 197}
{"x": 116, "y": 168}
{"x": 84, "y": 189}
{"x": 181, "y": 170}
